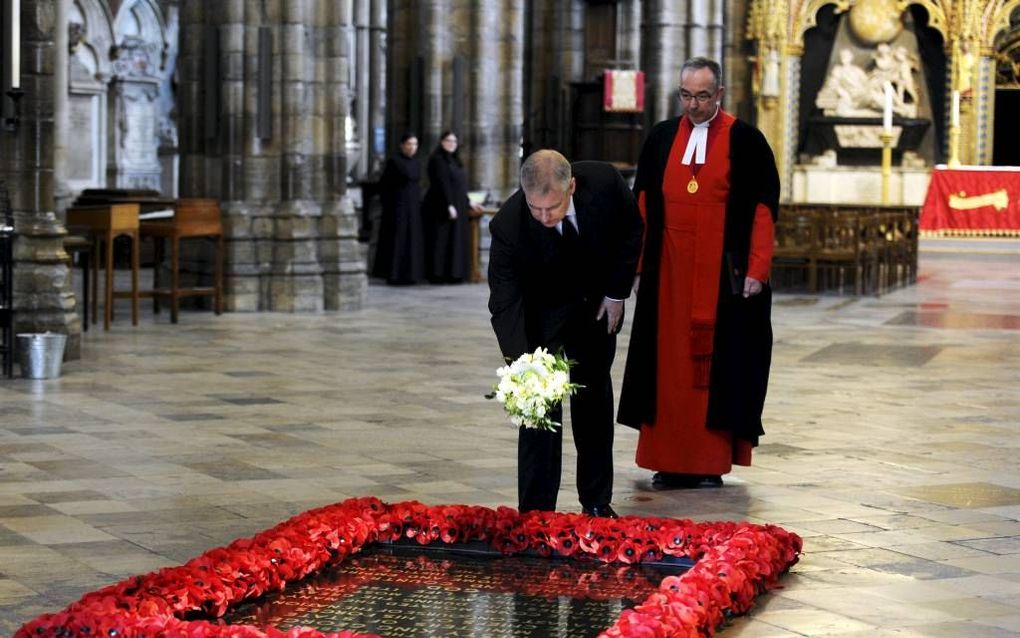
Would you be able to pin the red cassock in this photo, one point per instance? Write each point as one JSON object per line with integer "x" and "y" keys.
{"x": 692, "y": 248}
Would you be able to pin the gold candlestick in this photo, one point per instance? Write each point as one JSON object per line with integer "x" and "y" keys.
{"x": 886, "y": 136}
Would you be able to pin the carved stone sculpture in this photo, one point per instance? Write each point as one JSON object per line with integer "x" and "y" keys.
{"x": 850, "y": 91}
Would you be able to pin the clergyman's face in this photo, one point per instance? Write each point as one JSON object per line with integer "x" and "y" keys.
{"x": 699, "y": 96}
{"x": 551, "y": 207}
{"x": 449, "y": 143}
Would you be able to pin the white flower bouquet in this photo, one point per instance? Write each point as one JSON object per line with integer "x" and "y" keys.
{"x": 533, "y": 385}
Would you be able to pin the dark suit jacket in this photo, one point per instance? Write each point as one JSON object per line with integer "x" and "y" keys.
{"x": 533, "y": 293}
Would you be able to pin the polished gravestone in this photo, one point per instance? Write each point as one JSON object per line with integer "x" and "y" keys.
{"x": 424, "y": 592}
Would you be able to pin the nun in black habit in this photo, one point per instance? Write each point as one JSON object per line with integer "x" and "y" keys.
{"x": 400, "y": 250}
{"x": 446, "y": 215}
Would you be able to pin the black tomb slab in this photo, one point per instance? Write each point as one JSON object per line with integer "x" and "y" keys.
{"x": 397, "y": 591}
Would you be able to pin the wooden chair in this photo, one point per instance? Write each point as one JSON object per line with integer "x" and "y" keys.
{"x": 192, "y": 219}
{"x": 840, "y": 254}
{"x": 796, "y": 247}
{"x": 105, "y": 223}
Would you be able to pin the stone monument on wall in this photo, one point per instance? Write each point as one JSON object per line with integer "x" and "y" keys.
{"x": 134, "y": 147}
{"x": 851, "y": 91}
{"x": 874, "y": 61}
{"x": 119, "y": 124}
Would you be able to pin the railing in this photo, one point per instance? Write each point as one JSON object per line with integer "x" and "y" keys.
{"x": 845, "y": 249}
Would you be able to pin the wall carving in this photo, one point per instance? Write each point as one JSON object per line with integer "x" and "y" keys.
{"x": 120, "y": 59}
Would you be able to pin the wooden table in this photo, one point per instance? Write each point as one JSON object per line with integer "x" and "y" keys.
{"x": 104, "y": 223}
{"x": 192, "y": 218}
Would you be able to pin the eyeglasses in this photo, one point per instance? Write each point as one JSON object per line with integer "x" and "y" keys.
{"x": 700, "y": 98}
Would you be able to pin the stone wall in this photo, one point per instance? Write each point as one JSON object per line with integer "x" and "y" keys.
{"x": 291, "y": 228}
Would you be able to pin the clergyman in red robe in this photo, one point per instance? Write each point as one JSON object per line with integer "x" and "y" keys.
{"x": 701, "y": 343}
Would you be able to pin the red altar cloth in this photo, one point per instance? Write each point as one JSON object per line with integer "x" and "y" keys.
{"x": 972, "y": 201}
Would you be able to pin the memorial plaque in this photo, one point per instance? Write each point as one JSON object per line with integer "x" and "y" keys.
{"x": 395, "y": 591}
{"x": 83, "y": 161}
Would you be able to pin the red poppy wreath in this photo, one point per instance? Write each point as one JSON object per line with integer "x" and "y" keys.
{"x": 734, "y": 563}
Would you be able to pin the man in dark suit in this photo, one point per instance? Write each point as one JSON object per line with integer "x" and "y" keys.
{"x": 564, "y": 252}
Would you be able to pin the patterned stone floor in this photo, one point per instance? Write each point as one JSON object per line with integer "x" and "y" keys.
{"x": 891, "y": 446}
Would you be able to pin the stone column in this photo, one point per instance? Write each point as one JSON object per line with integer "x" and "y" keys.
{"x": 663, "y": 52}
{"x": 715, "y": 31}
{"x": 434, "y": 51}
{"x": 785, "y": 149}
{"x": 233, "y": 50}
{"x": 342, "y": 261}
{"x": 198, "y": 173}
{"x": 495, "y": 111}
{"x": 295, "y": 278}
{"x": 247, "y": 211}
{"x": 363, "y": 79}
{"x": 43, "y": 299}
{"x": 513, "y": 97}
{"x": 169, "y": 151}
{"x": 737, "y": 70}
{"x": 628, "y": 39}
{"x": 377, "y": 97}
{"x": 697, "y": 28}
{"x": 983, "y": 109}
{"x": 61, "y": 63}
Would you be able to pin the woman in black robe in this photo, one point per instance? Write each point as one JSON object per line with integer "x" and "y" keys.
{"x": 400, "y": 250}
{"x": 446, "y": 215}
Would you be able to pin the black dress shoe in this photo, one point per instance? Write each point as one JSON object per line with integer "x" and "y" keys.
{"x": 672, "y": 481}
{"x": 602, "y": 511}
{"x": 711, "y": 480}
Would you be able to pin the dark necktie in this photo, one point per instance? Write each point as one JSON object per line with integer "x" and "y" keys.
{"x": 569, "y": 236}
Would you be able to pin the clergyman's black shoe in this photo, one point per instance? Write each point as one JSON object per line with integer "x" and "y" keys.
{"x": 671, "y": 481}
{"x": 711, "y": 480}
{"x": 603, "y": 511}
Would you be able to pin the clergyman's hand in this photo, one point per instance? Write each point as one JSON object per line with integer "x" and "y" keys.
{"x": 452, "y": 210}
{"x": 613, "y": 311}
{"x": 751, "y": 287}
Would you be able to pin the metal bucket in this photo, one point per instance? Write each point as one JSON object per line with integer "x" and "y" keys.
{"x": 41, "y": 354}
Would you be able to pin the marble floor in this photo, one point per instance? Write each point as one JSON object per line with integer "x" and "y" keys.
{"x": 892, "y": 441}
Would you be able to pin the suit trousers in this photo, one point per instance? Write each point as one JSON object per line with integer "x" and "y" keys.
{"x": 539, "y": 452}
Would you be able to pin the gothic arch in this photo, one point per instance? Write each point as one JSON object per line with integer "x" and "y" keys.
{"x": 142, "y": 19}
{"x": 805, "y": 15}
{"x": 95, "y": 35}
{"x": 938, "y": 17}
{"x": 1007, "y": 50}
{"x": 998, "y": 21}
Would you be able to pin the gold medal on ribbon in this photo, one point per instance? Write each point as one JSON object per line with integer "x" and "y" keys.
{"x": 692, "y": 186}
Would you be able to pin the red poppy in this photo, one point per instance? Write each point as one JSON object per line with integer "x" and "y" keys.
{"x": 737, "y": 561}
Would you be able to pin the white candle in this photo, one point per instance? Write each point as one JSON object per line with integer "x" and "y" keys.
{"x": 15, "y": 43}
{"x": 887, "y": 112}
{"x": 954, "y": 118}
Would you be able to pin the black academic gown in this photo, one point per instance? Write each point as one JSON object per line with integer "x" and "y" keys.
{"x": 742, "y": 348}
{"x": 447, "y": 259}
{"x": 540, "y": 296}
{"x": 400, "y": 250}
